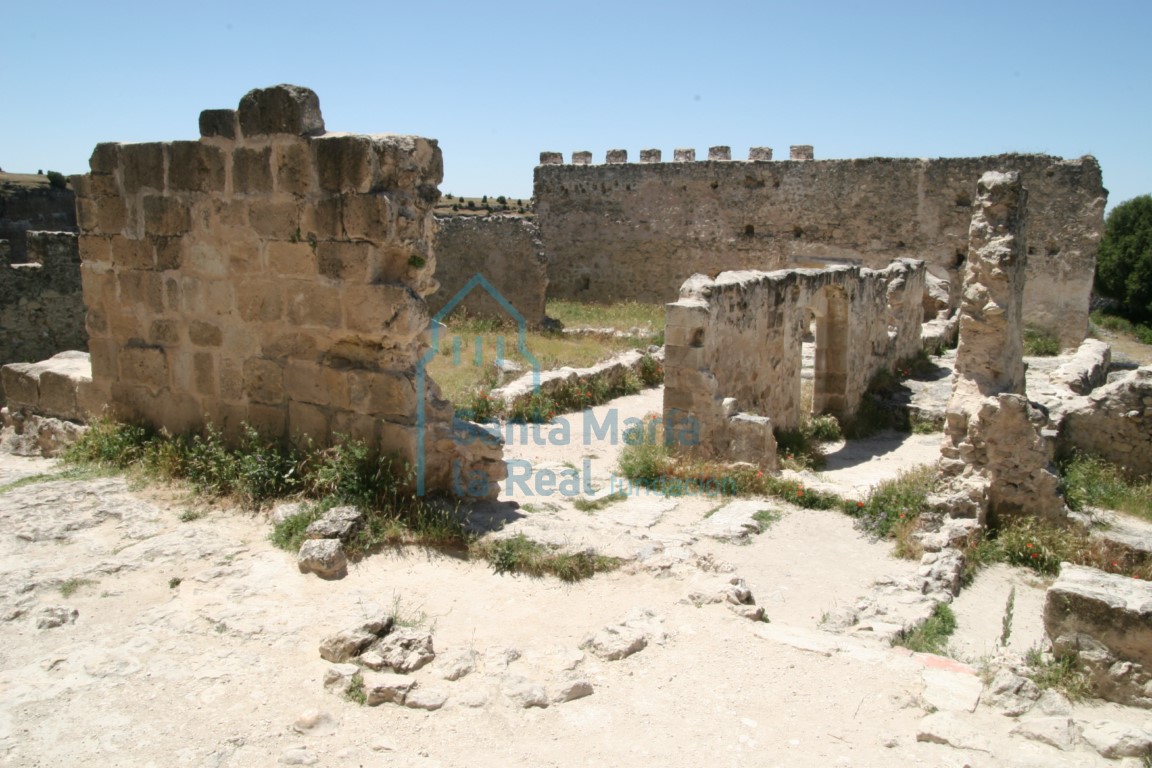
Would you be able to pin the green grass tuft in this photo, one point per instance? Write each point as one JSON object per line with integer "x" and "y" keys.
{"x": 931, "y": 636}
{"x": 592, "y": 505}
{"x": 69, "y": 587}
{"x": 1063, "y": 674}
{"x": 519, "y": 554}
{"x": 356, "y": 692}
{"x": 69, "y": 473}
{"x": 1092, "y": 482}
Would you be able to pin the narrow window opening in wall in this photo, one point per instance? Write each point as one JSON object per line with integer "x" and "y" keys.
{"x": 697, "y": 338}
{"x": 961, "y": 257}
{"x": 900, "y": 244}
{"x": 715, "y": 185}
{"x": 797, "y": 232}
{"x": 585, "y": 282}
{"x": 807, "y": 361}
{"x": 628, "y": 187}
{"x": 749, "y": 230}
{"x": 1031, "y": 250}
{"x": 963, "y": 200}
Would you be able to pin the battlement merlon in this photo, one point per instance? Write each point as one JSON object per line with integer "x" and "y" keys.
{"x": 718, "y": 153}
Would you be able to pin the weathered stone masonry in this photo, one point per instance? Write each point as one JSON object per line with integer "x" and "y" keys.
{"x": 273, "y": 274}
{"x": 35, "y": 209}
{"x": 506, "y": 250}
{"x": 622, "y": 230}
{"x": 732, "y": 369}
{"x": 41, "y": 306}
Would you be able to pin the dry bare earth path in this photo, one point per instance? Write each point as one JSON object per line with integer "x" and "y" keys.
{"x": 221, "y": 668}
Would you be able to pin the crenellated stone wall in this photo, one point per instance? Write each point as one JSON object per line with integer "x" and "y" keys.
{"x": 274, "y": 274}
{"x": 733, "y": 350}
{"x": 506, "y": 250}
{"x": 635, "y": 231}
{"x": 41, "y": 303}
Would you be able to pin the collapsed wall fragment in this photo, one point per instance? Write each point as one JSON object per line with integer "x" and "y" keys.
{"x": 994, "y": 448}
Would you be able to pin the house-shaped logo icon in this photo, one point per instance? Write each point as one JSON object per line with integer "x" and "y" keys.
{"x": 438, "y": 328}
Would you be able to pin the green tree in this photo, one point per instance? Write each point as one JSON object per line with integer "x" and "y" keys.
{"x": 1124, "y": 263}
{"x": 57, "y": 180}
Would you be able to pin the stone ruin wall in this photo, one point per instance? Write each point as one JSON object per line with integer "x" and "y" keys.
{"x": 1115, "y": 423}
{"x": 996, "y": 451}
{"x": 39, "y": 209}
{"x": 273, "y": 274}
{"x": 41, "y": 304}
{"x": 506, "y": 250}
{"x": 733, "y": 349}
{"x": 636, "y": 231}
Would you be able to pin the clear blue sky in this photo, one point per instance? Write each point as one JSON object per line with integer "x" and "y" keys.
{"x": 497, "y": 82}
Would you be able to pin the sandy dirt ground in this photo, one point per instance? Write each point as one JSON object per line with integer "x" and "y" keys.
{"x": 195, "y": 642}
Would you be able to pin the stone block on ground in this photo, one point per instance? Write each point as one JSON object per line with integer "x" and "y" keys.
{"x": 1104, "y": 619}
{"x": 1116, "y": 740}
{"x": 616, "y": 642}
{"x": 1059, "y": 732}
{"x": 336, "y": 523}
{"x": 947, "y": 728}
{"x": 428, "y": 699}
{"x": 570, "y": 690}
{"x": 406, "y": 650}
{"x": 951, "y": 691}
{"x": 339, "y": 677}
{"x": 525, "y": 693}
{"x": 323, "y": 557}
{"x": 56, "y": 616}
{"x": 384, "y": 687}
{"x": 350, "y": 643}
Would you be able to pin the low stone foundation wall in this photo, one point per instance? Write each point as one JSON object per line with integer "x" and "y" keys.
{"x": 610, "y": 372}
{"x": 1114, "y": 422}
{"x": 1105, "y": 621}
{"x": 47, "y": 405}
{"x": 1088, "y": 368}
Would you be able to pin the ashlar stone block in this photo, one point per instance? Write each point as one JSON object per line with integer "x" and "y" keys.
{"x": 283, "y": 108}
{"x": 344, "y": 163}
{"x": 252, "y": 170}
{"x": 195, "y": 167}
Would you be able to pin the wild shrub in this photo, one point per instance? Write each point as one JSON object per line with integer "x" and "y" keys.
{"x": 1040, "y": 343}
{"x": 897, "y": 503}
